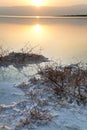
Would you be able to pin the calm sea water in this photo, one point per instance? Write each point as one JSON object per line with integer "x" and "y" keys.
{"x": 63, "y": 39}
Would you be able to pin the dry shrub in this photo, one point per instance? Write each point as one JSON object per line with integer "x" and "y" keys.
{"x": 37, "y": 116}
{"x": 3, "y": 52}
{"x": 23, "y": 85}
{"x": 42, "y": 103}
{"x": 41, "y": 115}
{"x": 69, "y": 81}
{"x": 25, "y": 56}
{"x": 34, "y": 80}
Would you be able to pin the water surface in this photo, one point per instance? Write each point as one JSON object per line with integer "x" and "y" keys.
{"x": 60, "y": 38}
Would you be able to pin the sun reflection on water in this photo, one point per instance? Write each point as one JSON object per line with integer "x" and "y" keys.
{"x": 37, "y": 32}
{"x": 37, "y": 27}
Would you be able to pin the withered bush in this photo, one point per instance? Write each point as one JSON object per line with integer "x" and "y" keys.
{"x": 19, "y": 59}
{"x": 36, "y": 116}
{"x": 68, "y": 82}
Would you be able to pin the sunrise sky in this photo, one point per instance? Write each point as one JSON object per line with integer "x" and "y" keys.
{"x": 41, "y": 2}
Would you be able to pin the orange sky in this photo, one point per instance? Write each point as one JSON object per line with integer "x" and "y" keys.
{"x": 42, "y": 2}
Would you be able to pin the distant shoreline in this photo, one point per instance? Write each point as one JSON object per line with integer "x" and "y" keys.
{"x": 44, "y": 17}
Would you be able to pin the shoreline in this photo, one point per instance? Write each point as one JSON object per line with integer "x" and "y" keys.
{"x": 43, "y": 17}
{"x": 42, "y": 106}
{"x": 53, "y": 91}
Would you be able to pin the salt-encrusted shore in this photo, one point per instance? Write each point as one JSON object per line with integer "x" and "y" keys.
{"x": 56, "y": 98}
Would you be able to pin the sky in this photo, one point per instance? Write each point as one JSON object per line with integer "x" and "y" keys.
{"x": 41, "y": 2}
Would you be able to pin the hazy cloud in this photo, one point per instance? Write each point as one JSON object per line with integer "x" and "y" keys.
{"x": 28, "y": 10}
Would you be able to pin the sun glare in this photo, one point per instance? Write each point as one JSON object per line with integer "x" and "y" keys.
{"x": 37, "y": 3}
{"x": 37, "y": 27}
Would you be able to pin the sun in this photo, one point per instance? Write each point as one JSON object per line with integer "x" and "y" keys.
{"x": 37, "y": 3}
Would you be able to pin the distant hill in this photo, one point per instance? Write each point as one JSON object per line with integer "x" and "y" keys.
{"x": 30, "y": 10}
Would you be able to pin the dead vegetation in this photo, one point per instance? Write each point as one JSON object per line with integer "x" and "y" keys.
{"x": 23, "y": 85}
{"x": 37, "y": 116}
{"x": 3, "y": 52}
{"x": 25, "y": 56}
{"x": 69, "y": 82}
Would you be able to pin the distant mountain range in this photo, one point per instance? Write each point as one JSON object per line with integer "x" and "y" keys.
{"x": 47, "y": 11}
